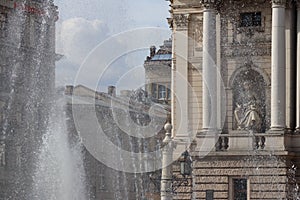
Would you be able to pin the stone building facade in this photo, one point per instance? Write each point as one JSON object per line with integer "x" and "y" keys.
{"x": 235, "y": 73}
{"x": 117, "y": 115}
{"x": 158, "y": 73}
{"x": 27, "y": 65}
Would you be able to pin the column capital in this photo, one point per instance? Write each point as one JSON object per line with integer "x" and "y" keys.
{"x": 280, "y": 3}
{"x": 209, "y": 4}
{"x": 181, "y": 20}
{"x": 297, "y": 4}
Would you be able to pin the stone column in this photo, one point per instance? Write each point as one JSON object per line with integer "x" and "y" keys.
{"x": 298, "y": 69}
{"x": 167, "y": 159}
{"x": 209, "y": 67}
{"x": 278, "y": 102}
{"x": 290, "y": 21}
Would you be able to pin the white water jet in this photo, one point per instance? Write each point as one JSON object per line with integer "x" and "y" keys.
{"x": 60, "y": 171}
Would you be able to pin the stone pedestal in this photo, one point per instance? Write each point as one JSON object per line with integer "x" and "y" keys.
{"x": 167, "y": 159}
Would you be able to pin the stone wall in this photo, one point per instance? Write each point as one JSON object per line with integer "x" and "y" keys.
{"x": 268, "y": 176}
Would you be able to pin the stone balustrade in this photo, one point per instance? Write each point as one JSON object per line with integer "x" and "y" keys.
{"x": 243, "y": 142}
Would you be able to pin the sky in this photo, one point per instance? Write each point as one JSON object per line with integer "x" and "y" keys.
{"x": 105, "y": 42}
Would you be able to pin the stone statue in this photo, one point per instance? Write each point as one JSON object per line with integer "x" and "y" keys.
{"x": 248, "y": 112}
{"x": 2, "y": 153}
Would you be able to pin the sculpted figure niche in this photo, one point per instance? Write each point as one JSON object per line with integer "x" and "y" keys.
{"x": 248, "y": 110}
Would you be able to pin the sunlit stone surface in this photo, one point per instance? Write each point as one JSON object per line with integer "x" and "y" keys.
{"x": 233, "y": 87}
{"x": 254, "y": 144}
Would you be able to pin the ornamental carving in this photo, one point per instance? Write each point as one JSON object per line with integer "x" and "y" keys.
{"x": 181, "y": 20}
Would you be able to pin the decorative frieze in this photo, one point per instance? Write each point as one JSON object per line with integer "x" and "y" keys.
{"x": 181, "y": 20}
{"x": 241, "y": 52}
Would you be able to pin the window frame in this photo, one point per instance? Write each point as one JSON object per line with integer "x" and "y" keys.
{"x": 3, "y": 23}
{"x": 253, "y": 16}
{"x": 162, "y": 93}
{"x": 231, "y": 186}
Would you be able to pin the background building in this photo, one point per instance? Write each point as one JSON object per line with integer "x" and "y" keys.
{"x": 27, "y": 64}
{"x": 113, "y": 113}
{"x": 158, "y": 73}
{"x": 240, "y": 97}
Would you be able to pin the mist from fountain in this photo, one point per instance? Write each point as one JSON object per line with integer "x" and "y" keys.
{"x": 60, "y": 171}
{"x": 42, "y": 162}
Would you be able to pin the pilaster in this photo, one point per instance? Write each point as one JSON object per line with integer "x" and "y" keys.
{"x": 180, "y": 82}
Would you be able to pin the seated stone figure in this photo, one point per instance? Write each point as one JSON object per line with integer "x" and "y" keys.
{"x": 248, "y": 112}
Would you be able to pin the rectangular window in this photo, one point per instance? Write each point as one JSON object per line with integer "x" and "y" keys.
{"x": 240, "y": 188}
{"x": 102, "y": 181}
{"x": 161, "y": 92}
{"x": 3, "y": 24}
{"x": 250, "y": 19}
{"x": 209, "y": 195}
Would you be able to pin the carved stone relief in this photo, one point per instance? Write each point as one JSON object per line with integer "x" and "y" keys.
{"x": 247, "y": 111}
{"x": 249, "y": 101}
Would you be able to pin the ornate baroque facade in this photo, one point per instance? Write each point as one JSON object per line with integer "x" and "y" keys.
{"x": 235, "y": 73}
